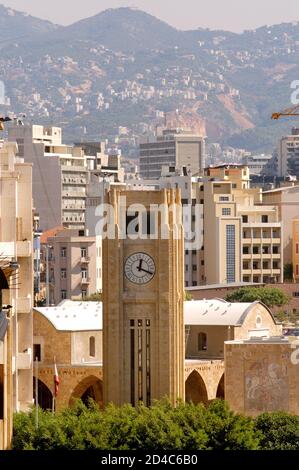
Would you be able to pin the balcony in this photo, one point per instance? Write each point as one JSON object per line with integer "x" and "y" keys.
{"x": 24, "y": 360}
{"x": 246, "y": 272}
{"x": 73, "y": 194}
{"x": 85, "y": 259}
{"x": 24, "y": 304}
{"x": 85, "y": 280}
{"x": 24, "y": 249}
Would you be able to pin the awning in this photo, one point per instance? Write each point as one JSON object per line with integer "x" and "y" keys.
{"x": 3, "y": 325}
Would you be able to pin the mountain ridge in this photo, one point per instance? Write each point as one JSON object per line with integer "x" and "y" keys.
{"x": 124, "y": 67}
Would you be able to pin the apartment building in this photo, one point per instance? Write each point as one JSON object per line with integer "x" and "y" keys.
{"x": 72, "y": 268}
{"x": 171, "y": 148}
{"x": 288, "y": 154}
{"x": 16, "y": 288}
{"x": 242, "y": 238}
{"x": 257, "y": 163}
{"x": 60, "y": 174}
{"x": 287, "y": 201}
{"x": 295, "y": 249}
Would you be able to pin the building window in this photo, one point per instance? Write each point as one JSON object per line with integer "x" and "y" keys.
{"x": 83, "y": 252}
{"x": 245, "y": 219}
{"x": 245, "y": 250}
{"x": 297, "y": 269}
{"x": 295, "y": 294}
{"x": 266, "y": 265}
{"x": 226, "y": 211}
{"x": 234, "y": 186}
{"x": 230, "y": 253}
{"x": 84, "y": 294}
{"x": 202, "y": 342}
{"x": 297, "y": 248}
{"x": 63, "y": 294}
{"x": 194, "y": 283}
{"x": 275, "y": 265}
{"x": 275, "y": 250}
{"x": 92, "y": 346}
{"x": 84, "y": 274}
{"x": 255, "y": 250}
{"x": 202, "y": 262}
{"x": 223, "y": 198}
{"x": 194, "y": 267}
{"x": 63, "y": 274}
{"x": 63, "y": 252}
{"x": 264, "y": 219}
{"x": 37, "y": 352}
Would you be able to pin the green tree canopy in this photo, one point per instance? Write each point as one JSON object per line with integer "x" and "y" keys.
{"x": 160, "y": 427}
{"x": 188, "y": 296}
{"x": 279, "y": 431}
{"x": 270, "y": 296}
{"x": 96, "y": 297}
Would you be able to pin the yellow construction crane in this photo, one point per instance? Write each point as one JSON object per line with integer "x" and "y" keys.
{"x": 290, "y": 112}
{"x": 3, "y": 120}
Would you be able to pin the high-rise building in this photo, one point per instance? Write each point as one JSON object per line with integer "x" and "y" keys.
{"x": 171, "y": 148}
{"x": 60, "y": 174}
{"x": 16, "y": 288}
{"x": 288, "y": 154}
{"x": 286, "y": 199}
{"x": 242, "y": 238}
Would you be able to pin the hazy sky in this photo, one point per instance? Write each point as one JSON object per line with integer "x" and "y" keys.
{"x": 233, "y": 15}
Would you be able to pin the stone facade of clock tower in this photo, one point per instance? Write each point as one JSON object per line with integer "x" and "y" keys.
{"x": 143, "y": 297}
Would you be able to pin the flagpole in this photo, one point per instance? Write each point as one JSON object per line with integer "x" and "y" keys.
{"x": 36, "y": 393}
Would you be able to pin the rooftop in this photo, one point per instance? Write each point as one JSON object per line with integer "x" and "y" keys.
{"x": 216, "y": 312}
{"x": 232, "y": 285}
{"x": 72, "y": 315}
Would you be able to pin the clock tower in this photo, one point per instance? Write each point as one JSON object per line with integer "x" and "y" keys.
{"x": 143, "y": 297}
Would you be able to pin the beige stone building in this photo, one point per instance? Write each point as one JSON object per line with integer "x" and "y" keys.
{"x": 64, "y": 332}
{"x": 287, "y": 201}
{"x": 16, "y": 254}
{"x": 262, "y": 375}
{"x": 74, "y": 265}
{"x": 242, "y": 238}
{"x": 143, "y": 294}
{"x": 295, "y": 249}
{"x": 208, "y": 324}
{"x": 70, "y": 335}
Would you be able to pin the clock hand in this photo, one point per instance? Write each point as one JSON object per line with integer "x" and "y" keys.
{"x": 140, "y": 264}
{"x": 146, "y": 271}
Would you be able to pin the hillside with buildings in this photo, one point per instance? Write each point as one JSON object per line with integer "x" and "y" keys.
{"x": 122, "y": 72}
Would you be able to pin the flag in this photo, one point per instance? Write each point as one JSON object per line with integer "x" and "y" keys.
{"x": 56, "y": 380}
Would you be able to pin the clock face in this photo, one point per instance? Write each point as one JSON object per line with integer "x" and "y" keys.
{"x": 140, "y": 268}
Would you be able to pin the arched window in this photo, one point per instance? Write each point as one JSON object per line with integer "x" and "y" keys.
{"x": 202, "y": 342}
{"x": 92, "y": 346}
